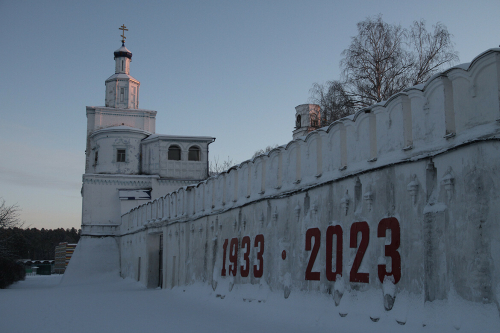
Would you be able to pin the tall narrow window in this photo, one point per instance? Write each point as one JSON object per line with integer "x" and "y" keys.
{"x": 122, "y": 93}
{"x": 120, "y": 155}
{"x": 96, "y": 156}
{"x": 122, "y": 65}
{"x": 194, "y": 154}
{"x": 174, "y": 153}
{"x": 298, "y": 121}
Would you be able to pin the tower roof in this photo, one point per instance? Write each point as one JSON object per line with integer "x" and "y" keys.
{"x": 123, "y": 52}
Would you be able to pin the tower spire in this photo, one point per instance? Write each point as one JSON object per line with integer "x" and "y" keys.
{"x": 123, "y": 28}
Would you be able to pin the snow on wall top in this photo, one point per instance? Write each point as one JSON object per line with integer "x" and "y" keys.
{"x": 457, "y": 106}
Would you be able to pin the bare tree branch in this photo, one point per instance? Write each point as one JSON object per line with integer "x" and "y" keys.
{"x": 265, "y": 150}
{"x": 216, "y": 166}
{"x": 9, "y": 218}
{"x": 9, "y": 215}
{"x": 382, "y": 60}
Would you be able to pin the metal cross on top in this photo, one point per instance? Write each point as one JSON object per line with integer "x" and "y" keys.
{"x": 123, "y": 28}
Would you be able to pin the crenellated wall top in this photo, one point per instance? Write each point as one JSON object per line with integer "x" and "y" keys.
{"x": 455, "y": 107}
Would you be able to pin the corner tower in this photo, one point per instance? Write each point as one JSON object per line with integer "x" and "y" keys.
{"x": 307, "y": 119}
{"x": 122, "y": 90}
{"x": 126, "y": 161}
{"x": 121, "y": 110}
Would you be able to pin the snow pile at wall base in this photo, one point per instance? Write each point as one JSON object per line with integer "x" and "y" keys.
{"x": 124, "y": 305}
{"x": 94, "y": 259}
{"x": 316, "y": 311}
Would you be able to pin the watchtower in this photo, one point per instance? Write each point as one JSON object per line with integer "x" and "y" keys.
{"x": 307, "y": 119}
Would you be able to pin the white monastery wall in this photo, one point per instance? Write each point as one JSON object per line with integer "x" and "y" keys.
{"x": 101, "y": 201}
{"x": 399, "y": 200}
{"x": 102, "y": 205}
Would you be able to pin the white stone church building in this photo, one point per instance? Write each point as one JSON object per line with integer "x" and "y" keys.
{"x": 127, "y": 163}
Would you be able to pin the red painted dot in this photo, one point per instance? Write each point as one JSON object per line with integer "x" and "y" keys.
{"x": 283, "y": 255}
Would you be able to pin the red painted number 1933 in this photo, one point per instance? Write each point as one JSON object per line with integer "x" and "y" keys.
{"x": 258, "y": 269}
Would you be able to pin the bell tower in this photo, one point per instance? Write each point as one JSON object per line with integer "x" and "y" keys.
{"x": 307, "y": 119}
{"x": 122, "y": 90}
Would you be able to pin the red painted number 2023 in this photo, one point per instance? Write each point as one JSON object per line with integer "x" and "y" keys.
{"x": 258, "y": 269}
{"x": 357, "y": 229}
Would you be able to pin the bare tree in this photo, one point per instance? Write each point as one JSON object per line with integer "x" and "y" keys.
{"x": 216, "y": 167}
{"x": 9, "y": 215}
{"x": 9, "y": 218}
{"x": 431, "y": 50}
{"x": 382, "y": 60}
{"x": 375, "y": 65}
{"x": 264, "y": 151}
{"x": 333, "y": 99}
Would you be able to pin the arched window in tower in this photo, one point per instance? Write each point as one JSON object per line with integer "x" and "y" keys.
{"x": 174, "y": 153}
{"x": 194, "y": 154}
{"x": 298, "y": 121}
{"x": 122, "y": 65}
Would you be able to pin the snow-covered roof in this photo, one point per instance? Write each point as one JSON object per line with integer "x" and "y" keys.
{"x": 123, "y": 52}
{"x": 109, "y": 109}
{"x": 121, "y": 128}
{"x": 123, "y": 49}
{"x": 120, "y": 76}
{"x": 177, "y": 138}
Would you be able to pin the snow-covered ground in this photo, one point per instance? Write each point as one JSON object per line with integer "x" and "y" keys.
{"x": 112, "y": 304}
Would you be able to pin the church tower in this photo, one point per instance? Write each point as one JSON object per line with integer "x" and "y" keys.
{"x": 122, "y": 90}
{"x": 307, "y": 119}
{"x": 126, "y": 161}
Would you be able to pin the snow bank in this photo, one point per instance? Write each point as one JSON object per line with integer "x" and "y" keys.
{"x": 123, "y": 305}
{"x": 95, "y": 259}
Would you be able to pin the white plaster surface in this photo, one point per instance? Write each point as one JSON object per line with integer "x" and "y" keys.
{"x": 420, "y": 157}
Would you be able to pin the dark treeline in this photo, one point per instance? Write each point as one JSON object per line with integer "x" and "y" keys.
{"x": 35, "y": 244}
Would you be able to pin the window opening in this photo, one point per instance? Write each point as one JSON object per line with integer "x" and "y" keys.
{"x": 194, "y": 154}
{"x": 122, "y": 93}
{"x": 174, "y": 153}
{"x": 122, "y": 65}
{"x": 120, "y": 155}
{"x": 160, "y": 270}
{"x": 298, "y": 121}
{"x": 139, "y": 269}
{"x": 96, "y": 157}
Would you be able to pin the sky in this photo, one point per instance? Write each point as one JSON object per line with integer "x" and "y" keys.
{"x": 234, "y": 70}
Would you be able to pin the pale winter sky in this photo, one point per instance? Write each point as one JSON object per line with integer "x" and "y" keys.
{"x": 232, "y": 69}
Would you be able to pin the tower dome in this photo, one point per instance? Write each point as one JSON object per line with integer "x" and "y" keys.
{"x": 123, "y": 52}
{"x": 123, "y": 57}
